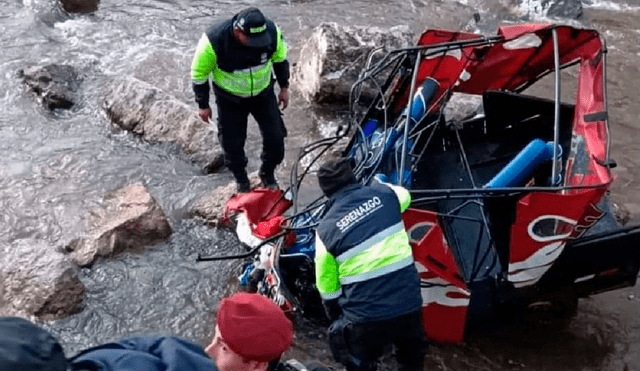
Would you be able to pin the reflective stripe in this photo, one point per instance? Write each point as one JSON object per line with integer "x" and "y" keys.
{"x": 331, "y": 295}
{"x": 258, "y": 29}
{"x": 252, "y": 68}
{"x": 370, "y": 242}
{"x": 377, "y": 273}
{"x": 244, "y": 83}
{"x": 392, "y": 249}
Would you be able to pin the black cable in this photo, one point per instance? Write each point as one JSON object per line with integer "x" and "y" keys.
{"x": 240, "y": 256}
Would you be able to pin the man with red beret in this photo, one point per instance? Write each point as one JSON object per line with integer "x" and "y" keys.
{"x": 251, "y": 334}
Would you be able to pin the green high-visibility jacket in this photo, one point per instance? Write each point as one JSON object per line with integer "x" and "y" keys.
{"x": 234, "y": 68}
{"x": 363, "y": 260}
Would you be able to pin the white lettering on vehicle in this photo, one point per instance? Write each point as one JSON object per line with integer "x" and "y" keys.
{"x": 359, "y": 213}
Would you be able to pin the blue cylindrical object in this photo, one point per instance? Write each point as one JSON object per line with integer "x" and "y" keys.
{"x": 521, "y": 168}
{"x": 422, "y": 98}
{"x": 558, "y": 180}
{"x": 369, "y": 127}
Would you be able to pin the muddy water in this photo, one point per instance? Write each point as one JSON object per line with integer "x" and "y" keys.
{"x": 56, "y": 166}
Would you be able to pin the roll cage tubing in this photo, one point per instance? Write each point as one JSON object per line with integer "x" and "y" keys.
{"x": 397, "y": 56}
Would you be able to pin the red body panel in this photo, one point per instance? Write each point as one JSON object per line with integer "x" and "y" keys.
{"x": 525, "y": 54}
{"x": 444, "y": 294}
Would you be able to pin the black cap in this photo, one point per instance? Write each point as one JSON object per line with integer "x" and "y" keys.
{"x": 27, "y": 347}
{"x": 252, "y": 23}
{"x": 335, "y": 174}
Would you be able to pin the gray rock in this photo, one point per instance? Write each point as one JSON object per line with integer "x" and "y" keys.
{"x": 130, "y": 220}
{"x": 55, "y": 85}
{"x": 80, "y": 6}
{"x": 38, "y": 280}
{"x": 571, "y": 9}
{"x": 159, "y": 67}
{"x": 156, "y": 116}
{"x": 331, "y": 60}
{"x": 566, "y": 9}
{"x": 210, "y": 206}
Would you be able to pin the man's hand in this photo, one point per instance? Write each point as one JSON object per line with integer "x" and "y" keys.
{"x": 205, "y": 114}
{"x": 283, "y": 98}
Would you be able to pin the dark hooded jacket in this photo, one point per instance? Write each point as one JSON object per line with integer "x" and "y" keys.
{"x": 27, "y": 347}
{"x": 148, "y": 353}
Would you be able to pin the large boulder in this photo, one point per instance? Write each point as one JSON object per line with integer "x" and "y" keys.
{"x": 55, "y": 85}
{"x": 130, "y": 220}
{"x": 156, "y": 116}
{"x": 331, "y": 60}
{"x": 38, "y": 280}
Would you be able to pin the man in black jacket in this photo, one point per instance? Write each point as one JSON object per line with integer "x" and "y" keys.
{"x": 365, "y": 271}
{"x": 239, "y": 55}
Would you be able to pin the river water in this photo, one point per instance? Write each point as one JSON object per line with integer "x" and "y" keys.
{"x": 57, "y": 165}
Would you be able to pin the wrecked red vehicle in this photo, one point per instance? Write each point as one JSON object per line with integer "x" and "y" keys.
{"x": 510, "y": 215}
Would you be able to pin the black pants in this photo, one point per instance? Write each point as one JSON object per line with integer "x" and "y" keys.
{"x": 367, "y": 342}
{"x": 233, "y": 113}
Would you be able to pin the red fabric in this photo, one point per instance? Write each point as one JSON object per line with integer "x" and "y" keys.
{"x": 254, "y": 326}
{"x": 259, "y": 205}
{"x": 269, "y": 227}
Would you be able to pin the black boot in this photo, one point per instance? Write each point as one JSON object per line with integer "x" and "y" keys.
{"x": 242, "y": 182}
{"x": 268, "y": 179}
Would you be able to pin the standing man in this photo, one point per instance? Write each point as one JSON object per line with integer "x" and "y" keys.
{"x": 365, "y": 271}
{"x": 239, "y": 55}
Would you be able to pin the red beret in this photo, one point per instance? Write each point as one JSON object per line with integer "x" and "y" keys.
{"x": 254, "y": 326}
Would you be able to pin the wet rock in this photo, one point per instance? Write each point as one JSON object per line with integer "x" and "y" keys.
{"x": 622, "y": 213}
{"x": 210, "y": 206}
{"x": 461, "y": 106}
{"x": 571, "y": 9}
{"x": 565, "y": 9}
{"x": 159, "y": 67}
{"x": 130, "y": 220}
{"x": 80, "y": 6}
{"x": 156, "y": 116}
{"x": 38, "y": 280}
{"x": 331, "y": 60}
{"x": 55, "y": 85}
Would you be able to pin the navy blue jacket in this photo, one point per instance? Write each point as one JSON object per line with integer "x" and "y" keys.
{"x": 144, "y": 353}
{"x": 363, "y": 257}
